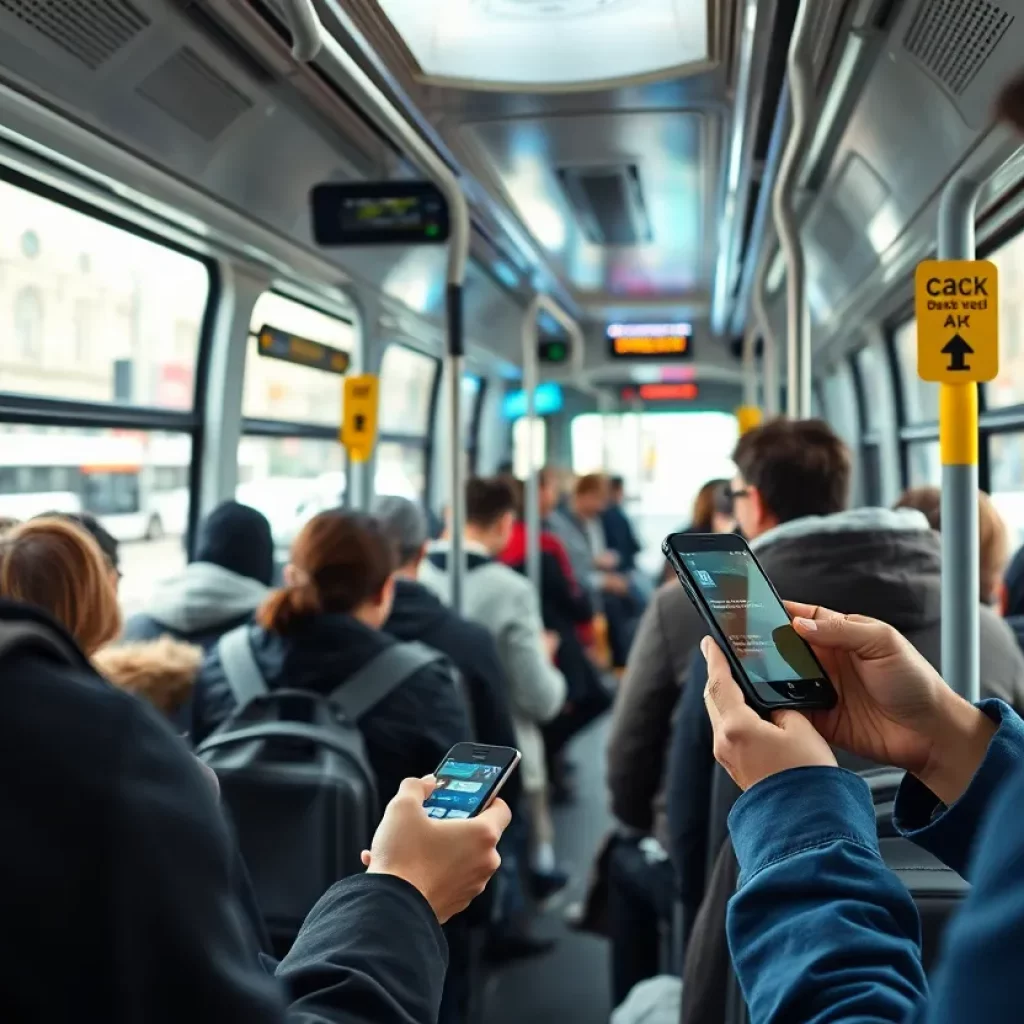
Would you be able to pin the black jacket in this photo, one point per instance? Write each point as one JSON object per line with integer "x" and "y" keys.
{"x": 620, "y": 538}
{"x": 117, "y": 903}
{"x": 406, "y": 734}
{"x": 418, "y": 615}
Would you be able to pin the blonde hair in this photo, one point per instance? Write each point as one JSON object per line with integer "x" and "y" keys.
{"x": 58, "y": 567}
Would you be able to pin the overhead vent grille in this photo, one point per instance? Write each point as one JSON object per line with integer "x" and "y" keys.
{"x": 90, "y": 30}
{"x": 953, "y": 38}
{"x": 609, "y": 203}
{"x": 186, "y": 88}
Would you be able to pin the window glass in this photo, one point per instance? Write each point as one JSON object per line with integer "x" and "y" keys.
{"x": 841, "y": 405}
{"x": 470, "y": 395}
{"x": 1006, "y": 462}
{"x": 923, "y": 463}
{"x": 1008, "y": 387}
{"x": 521, "y": 437}
{"x": 134, "y": 482}
{"x": 874, "y": 385}
{"x": 401, "y": 469}
{"x": 91, "y": 312}
{"x": 920, "y": 398}
{"x": 406, "y": 385}
{"x": 290, "y": 480}
{"x": 277, "y": 390}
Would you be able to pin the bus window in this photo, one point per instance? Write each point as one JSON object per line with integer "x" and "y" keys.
{"x": 920, "y": 398}
{"x": 401, "y": 470}
{"x": 924, "y": 467}
{"x": 406, "y": 388}
{"x": 97, "y": 314}
{"x": 1008, "y": 387}
{"x": 1006, "y": 458}
{"x": 520, "y": 446}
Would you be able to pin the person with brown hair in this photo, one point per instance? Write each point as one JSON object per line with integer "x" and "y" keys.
{"x": 993, "y": 539}
{"x": 323, "y": 627}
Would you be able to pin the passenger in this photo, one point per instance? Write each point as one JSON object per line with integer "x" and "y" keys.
{"x": 712, "y": 513}
{"x": 618, "y": 530}
{"x": 322, "y": 627}
{"x": 505, "y": 603}
{"x": 820, "y": 928}
{"x": 221, "y": 589}
{"x": 145, "y": 902}
{"x": 108, "y": 544}
{"x": 993, "y": 540}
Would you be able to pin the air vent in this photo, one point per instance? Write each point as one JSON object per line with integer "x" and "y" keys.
{"x": 953, "y": 38}
{"x": 186, "y": 88}
{"x": 90, "y": 30}
{"x": 608, "y": 203}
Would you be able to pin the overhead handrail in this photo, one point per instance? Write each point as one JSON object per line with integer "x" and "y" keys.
{"x": 305, "y": 24}
{"x": 770, "y": 349}
{"x": 961, "y": 555}
{"x": 531, "y": 372}
{"x": 800, "y": 67}
{"x": 750, "y": 365}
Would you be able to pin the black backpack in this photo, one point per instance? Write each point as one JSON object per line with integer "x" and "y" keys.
{"x": 294, "y": 771}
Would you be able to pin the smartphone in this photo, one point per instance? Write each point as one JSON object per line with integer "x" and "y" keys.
{"x": 469, "y": 778}
{"x": 770, "y": 661}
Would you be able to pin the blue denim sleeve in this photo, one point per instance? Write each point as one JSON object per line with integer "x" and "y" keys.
{"x": 820, "y": 930}
{"x": 949, "y": 833}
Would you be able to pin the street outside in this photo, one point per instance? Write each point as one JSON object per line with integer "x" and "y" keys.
{"x": 143, "y": 565}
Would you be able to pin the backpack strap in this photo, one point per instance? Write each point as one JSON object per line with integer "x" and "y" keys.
{"x": 26, "y": 633}
{"x": 381, "y": 676}
{"x": 240, "y": 667}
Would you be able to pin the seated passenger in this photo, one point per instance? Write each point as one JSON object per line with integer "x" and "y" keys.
{"x": 993, "y": 541}
{"x": 146, "y": 901}
{"x": 107, "y": 542}
{"x": 322, "y": 627}
{"x": 501, "y": 600}
{"x": 820, "y": 928}
{"x": 618, "y": 530}
{"x": 712, "y": 513}
{"x": 221, "y": 589}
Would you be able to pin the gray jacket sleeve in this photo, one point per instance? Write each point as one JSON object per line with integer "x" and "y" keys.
{"x": 1002, "y": 663}
{"x": 538, "y": 687}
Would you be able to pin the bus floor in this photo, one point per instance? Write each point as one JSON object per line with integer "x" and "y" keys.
{"x": 570, "y": 985}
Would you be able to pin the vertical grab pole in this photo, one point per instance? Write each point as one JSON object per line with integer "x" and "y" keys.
{"x": 958, "y": 445}
{"x": 531, "y": 374}
{"x": 800, "y": 67}
{"x": 770, "y": 356}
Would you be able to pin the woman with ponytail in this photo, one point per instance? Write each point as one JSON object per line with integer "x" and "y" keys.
{"x": 324, "y": 626}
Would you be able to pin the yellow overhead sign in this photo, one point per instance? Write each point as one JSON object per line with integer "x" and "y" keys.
{"x": 359, "y": 416}
{"x": 957, "y": 321}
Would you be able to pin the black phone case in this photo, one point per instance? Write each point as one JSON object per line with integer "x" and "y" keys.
{"x": 827, "y": 700}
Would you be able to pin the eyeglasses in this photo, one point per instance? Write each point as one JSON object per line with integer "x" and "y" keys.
{"x": 732, "y": 493}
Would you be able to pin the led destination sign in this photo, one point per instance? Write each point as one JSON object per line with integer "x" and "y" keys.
{"x": 289, "y": 348}
{"x": 381, "y": 213}
{"x": 650, "y": 341}
{"x": 660, "y": 393}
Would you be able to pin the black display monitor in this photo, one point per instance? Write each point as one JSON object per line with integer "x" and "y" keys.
{"x": 655, "y": 342}
{"x": 379, "y": 213}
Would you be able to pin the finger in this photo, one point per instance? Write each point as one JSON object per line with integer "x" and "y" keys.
{"x": 844, "y": 632}
{"x": 365, "y": 858}
{"x": 418, "y": 789}
{"x": 790, "y": 720}
{"x": 497, "y": 815}
{"x": 721, "y": 695}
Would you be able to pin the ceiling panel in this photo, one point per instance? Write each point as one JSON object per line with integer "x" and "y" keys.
{"x": 524, "y": 156}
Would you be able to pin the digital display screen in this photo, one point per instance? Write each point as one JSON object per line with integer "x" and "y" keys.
{"x": 650, "y": 341}
{"x": 752, "y": 619}
{"x": 661, "y": 392}
{"x": 386, "y": 213}
{"x": 462, "y": 787}
{"x": 289, "y": 348}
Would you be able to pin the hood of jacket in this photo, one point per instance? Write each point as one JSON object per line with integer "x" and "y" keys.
{"x": 416, "y": 611}
{"x": 203, "y": 597}
{"x": 880, "y": 562}
{"x": 162, "y": 672}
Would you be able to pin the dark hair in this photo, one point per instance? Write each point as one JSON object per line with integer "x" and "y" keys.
{"x": 1010, "y": 106}
{"x": 488, "y": 500}
{"x": 711, "y": 498}
{"x": 800, "y": 467}
{"x": 88, "y": 522}
{"x": 345, "y": 559}
{"x": 617, "y": 483}
{"x": 592, "y": 483}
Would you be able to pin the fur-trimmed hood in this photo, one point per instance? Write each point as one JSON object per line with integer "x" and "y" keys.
{"x": 161, "y": 671}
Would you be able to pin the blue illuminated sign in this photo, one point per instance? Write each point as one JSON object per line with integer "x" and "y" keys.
{"x": 548, "y": 400}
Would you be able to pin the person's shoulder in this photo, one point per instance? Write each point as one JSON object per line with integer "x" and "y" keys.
{"x": 999, "y": 639}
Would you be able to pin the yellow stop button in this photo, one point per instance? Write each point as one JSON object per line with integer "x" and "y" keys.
{"x": 957, "y": 306}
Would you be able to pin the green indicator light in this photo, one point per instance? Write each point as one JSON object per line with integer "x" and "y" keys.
{"x": 431, "y": 231}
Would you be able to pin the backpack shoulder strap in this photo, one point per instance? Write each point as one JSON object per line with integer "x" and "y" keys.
{"x": 381, "y": 676}
{"x": 239, "y": 663}
{"x": 26, "y": 633}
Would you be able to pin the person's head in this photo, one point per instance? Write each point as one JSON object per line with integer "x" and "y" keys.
{"x": 712, "y": 508}
{"x": 788, "y": 469}
{"x": 591, "y": 495}
{"x": 238, "y": 538}
{"x": 342, "y": 563}
{"x": 56, "y": 565}
{"x": 993, "y": 541}
{"x": 1010, "y": 107}
{"x": 405, "y": 525}
{"x": 549, "y": 487}
{"x": 490, "y": 512}
{"x": 616, "y": 490}
{"x": 104, "y": 538}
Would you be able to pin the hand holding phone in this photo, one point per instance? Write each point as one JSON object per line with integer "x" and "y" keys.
{"x": 771, "y": 663}
{"x": 469, "y": 778}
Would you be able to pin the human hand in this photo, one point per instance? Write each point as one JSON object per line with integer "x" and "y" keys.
{"x": 607, "y": 560}
{"x": 746, "y": 746}
{"x": 613, "y": 583}
{"x": 552, "y": 641}
{"x": 449, "y": 861}
{"x": 893, "y": 707}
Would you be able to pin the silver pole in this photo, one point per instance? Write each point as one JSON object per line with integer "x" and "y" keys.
{"x": 750, "y": 365}
{"x": 530, "y": 379}
{"x": 787, "y": 225}
{"x": 770, "y": 356}
{"x": 961, "y": 556}
{"x": 306, "y": 30}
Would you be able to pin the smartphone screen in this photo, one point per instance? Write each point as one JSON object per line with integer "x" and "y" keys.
{"x": 778, "y": 665}
{"x": 469, "y": 778}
